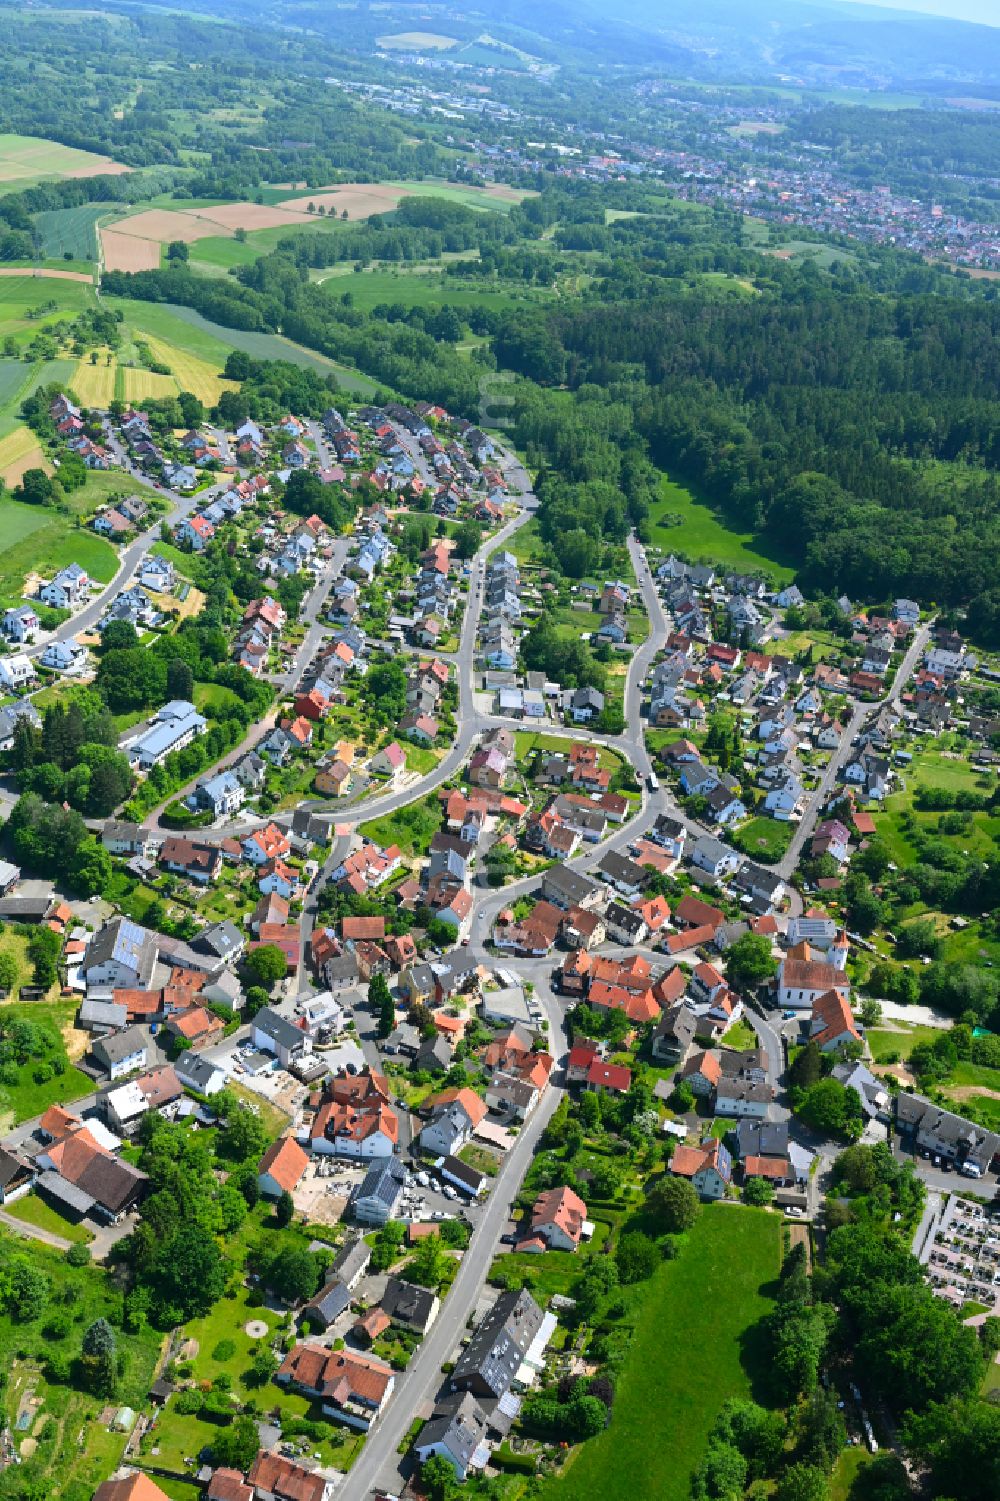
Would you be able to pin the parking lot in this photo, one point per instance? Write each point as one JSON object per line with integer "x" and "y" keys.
{"x": 426, "y": 1198}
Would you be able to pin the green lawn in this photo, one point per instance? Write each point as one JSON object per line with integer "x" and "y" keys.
{"x": 851, "y": 1461}
{"x": 704, "y": 536}
{"x": 528, "y": 741}
{"x": 740, "y": 1036}
{"x": 35, "y": 1211}
{"x": 412, "y": 827}
{"x": 420, "y": 758}
{"x": 695, "y": 1346}
{"x": 975, "y": 1074}
{"x": 883, "y": 1043}
{"x": 764, "y": 838}
{"x": 37, "y": 540}
{"x": 20, "y": 1101}
{"x": 211, "y": 697}
{"x": 369, "y": 289}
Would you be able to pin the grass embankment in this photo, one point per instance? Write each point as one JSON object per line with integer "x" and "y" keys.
{"x": 33, "y": 1211}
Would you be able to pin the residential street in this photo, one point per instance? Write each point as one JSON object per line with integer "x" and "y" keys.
{"x": 378, "y": 1463}
{"x": 839, "y": 757}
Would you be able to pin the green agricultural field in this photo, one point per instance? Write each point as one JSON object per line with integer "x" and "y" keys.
{"x": 26, "y": 160}
{"x": 471, "y": 197}
{"x": 703, "y": 536}
{"x": 18, "y": 380}
{"x": 20, "y": 294}
{"x": 697, "y": 1343}
{"x": 71, "y": 231}
{"x": 201, "y": 336}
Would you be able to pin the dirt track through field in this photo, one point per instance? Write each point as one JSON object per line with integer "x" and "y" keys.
{"x": 43, "y": 273}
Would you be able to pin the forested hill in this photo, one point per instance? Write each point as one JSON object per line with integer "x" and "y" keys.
{"x": 862, "y": 432}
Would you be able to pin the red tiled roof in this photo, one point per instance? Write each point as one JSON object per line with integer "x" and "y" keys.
{"x": 285, "y": 1162}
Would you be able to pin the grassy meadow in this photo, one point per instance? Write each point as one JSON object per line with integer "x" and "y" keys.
{"x": 695, "y": 1346}
{"x": 684, "y": 524}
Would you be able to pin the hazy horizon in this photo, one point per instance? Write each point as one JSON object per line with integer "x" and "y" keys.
{"x": 985, "y": 12}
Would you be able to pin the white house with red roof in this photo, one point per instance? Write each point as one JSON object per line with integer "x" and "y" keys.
{"x": 196, "y": 531}
{"x": 269, "y": 843}
{"x": 388, "y": 763}
{"x": 832, "y": 1025}
{"x": 281, "y": 1168}
{"x": 558, "y": 1217}
{"x": 708, "y": 1167}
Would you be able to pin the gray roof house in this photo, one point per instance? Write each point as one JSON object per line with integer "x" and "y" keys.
{"x": 121, "y": 1053}
{"x": 103, "y": 1016}
{"x": 376, "y": 1198}
{"x": 566, "y": 888}
{"x": 121, "y": 955}
{"x": 414, "y": 1308}
{"x": 328, "y": 1304}
{"x": 940, "y": 1131}
{"x": 351, "y": 1261}
{"x": 456, "y": 1432}
{"x": 490, "y": 1361}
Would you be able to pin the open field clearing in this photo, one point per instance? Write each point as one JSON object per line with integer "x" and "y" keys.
{"x": 95, "y": 384}
{"x": 17, "y": 381}
{"x": 16, "y": 523}
{"x": 19, "y": 451}
{"x": 416, "y": 289}
{"x": 186, "y": 329}
{"x": 14, "y": 382}
{"x": 168, "y": 322}
{"x": 687, "y": 526}
{"x": 21, "y": 293}
{"x": 140, "y": 385}
{"x": 25, "y": 160}
{"x": 417, "y": 41}
{"x": 363, "y": 198}
{"x": 46, "y": 548}
{"x": 251, "y": 216}
{"x": 359, "y": 199}
{"x": 755, "y": 128}
{"x": 200, "y": 377}
{"x": 126, "y": 253}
